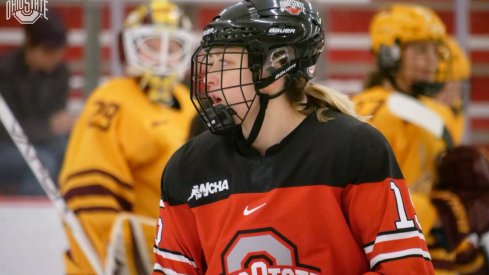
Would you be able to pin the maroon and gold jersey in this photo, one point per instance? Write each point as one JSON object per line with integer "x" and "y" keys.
{"x": 114, "y": 160}
{"x": 329, "y": 199}
{"x": 417, "y": 131}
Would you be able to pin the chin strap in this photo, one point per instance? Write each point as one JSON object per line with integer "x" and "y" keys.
{"x": 417, "y": 88}
{"x": 430, "y": 89}
{"x": 260, "y": 117}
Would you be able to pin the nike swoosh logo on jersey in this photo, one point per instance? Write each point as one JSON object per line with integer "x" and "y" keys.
{"x": 246, "y": 212}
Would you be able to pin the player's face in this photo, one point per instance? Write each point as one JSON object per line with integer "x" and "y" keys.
{"x": 419, "y": 63}
{"x": 228, "y": 80}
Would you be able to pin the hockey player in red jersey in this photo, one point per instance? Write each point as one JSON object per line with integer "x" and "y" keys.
{"x": 293, "y": 182}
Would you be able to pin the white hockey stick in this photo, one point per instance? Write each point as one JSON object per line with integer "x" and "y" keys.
{"x": 29, "y": 154}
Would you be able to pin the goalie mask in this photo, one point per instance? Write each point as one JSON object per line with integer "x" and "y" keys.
{"x": 267, "y": 39}
{"x": 158, "y": 44}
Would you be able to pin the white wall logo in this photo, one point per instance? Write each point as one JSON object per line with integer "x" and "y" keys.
{"x": 26, "y": 11}
{"x": 208, "y": 188}
{"x": 292, "y": 6}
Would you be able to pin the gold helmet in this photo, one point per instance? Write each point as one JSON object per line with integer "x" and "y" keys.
{"x": 404, "y": 23}
{"x": 458, "y": 64}
{"x": 401, "y": 24}
{"x": 158, "y": 45}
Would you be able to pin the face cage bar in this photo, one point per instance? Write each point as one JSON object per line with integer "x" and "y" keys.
{"x": 219, "y": 118}
{"x": 135, "y": 40}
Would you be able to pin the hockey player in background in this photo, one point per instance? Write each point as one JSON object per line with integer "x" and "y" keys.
{"x": 294, "y": 183}
{"x": 408, "y": 42}
{"x": 128, "y": 129}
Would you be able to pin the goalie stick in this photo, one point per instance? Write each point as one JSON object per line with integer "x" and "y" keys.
{"x": 28, "y": 152}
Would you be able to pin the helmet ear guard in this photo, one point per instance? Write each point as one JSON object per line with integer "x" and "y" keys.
{"x": 279, "y": 62}
{"x": 276, "y": 59}
{"x": 389, "y": 57}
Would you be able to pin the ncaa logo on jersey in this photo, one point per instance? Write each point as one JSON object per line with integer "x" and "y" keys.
{"x": 208, "y": 188}
{"x": 263, "y": 251}
{"x": 292, "y": 6}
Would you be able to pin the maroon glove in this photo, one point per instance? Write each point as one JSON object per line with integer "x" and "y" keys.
{"x": 478, "y": 211}
{"x": 453, "y": 217}
{"x": 464, "y": 171}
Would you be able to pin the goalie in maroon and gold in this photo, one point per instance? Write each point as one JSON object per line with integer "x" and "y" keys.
{"x": 128, "y": 129}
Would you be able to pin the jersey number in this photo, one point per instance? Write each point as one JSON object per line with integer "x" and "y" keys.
{"x": 160, "y": 228}
{"x": 103, "y": 115}
{"x": 403, "y": 221}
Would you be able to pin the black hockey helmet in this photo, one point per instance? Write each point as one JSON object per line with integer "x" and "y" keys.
{"x": 284, "y": 32}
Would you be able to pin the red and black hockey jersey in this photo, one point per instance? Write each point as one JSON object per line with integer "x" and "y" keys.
{"x": 329, "y": 199}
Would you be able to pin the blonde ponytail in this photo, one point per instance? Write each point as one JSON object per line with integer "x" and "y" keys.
{"x": 320, "y": 98}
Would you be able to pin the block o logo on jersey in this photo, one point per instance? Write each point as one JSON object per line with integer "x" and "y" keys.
{"x": 263, "y": 251}
{"x": 26, "y": 11}
{"x": 292, "y": 6}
